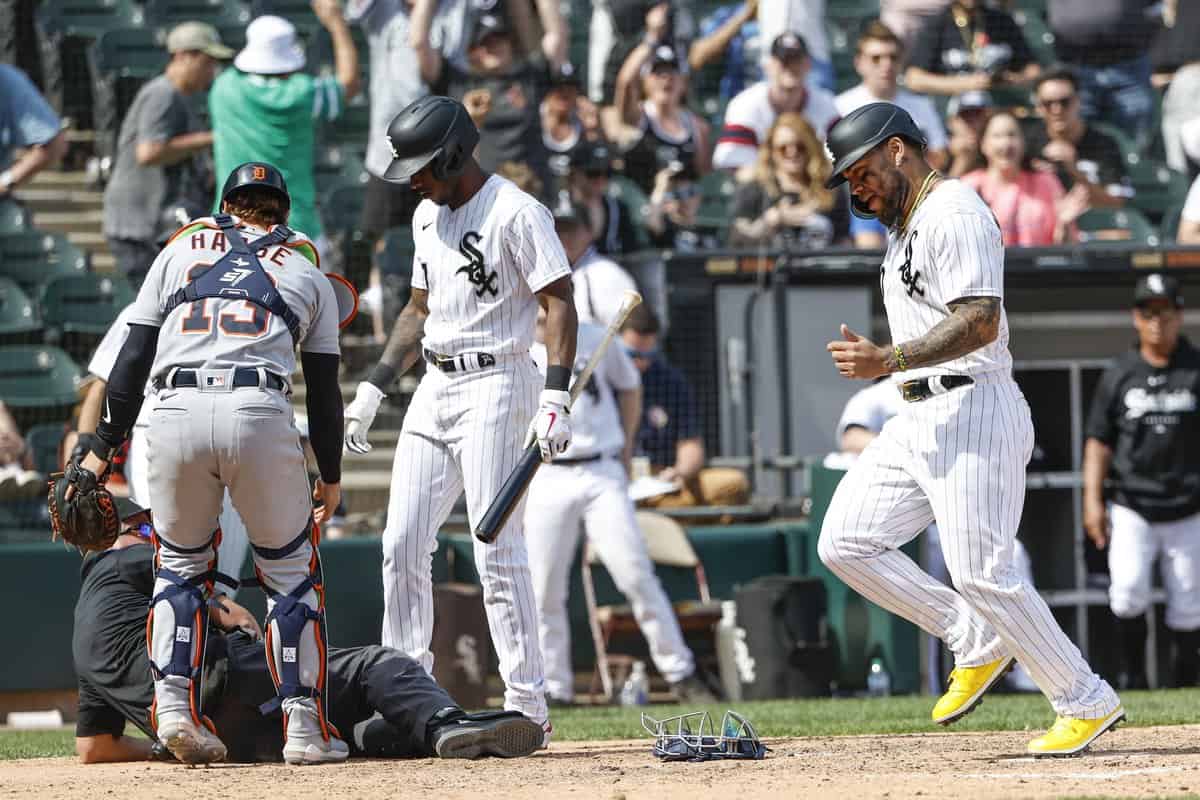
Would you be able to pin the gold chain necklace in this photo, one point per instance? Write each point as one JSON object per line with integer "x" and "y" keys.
{"x": 922, "y": 193}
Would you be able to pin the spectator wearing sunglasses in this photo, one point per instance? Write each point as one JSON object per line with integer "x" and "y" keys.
{"x": 1076, "y": 151}
{"x": 614, "y": 230}
{"x": 786, "y": 204}
{"x": 669, "y": 435}
{"x": 672, "y": 215}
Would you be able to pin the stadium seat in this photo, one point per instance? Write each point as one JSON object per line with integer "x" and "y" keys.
{"x": 37, "y": 378}
{"x": 319, "y": 53}
{"x": 298, "y": 12}
{"x": 120, "y": 61}
{"x": 716, "y": 203}
{"x": 352, "y": 127}
{"x": 635, "y": 200}
{"x": 166, "y": 14}
{"x": 396, "y": 250}
{"x": 83, "y": 303}
{"x": 87, "y": 19}
{"x": 1037, "y": 34}
{"x": 13, "y": 217}
{"x": 43, "y": 442}
{"x": 1157, "y": 188}
{"x": 32, "y": 257}
{"x": 18, "y": 319}
{"x": 335, "y": 164}
{"x": 1120, "y": 226}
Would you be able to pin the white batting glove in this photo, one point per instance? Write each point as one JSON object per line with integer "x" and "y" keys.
{"x": 551, "y": 424}
{"x": 359, "y": 416}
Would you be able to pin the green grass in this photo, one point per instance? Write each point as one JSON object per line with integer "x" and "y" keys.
{"x": 779, "y": 718}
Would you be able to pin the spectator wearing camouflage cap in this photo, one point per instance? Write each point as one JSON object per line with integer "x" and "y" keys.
{"x": 160, "y": 137}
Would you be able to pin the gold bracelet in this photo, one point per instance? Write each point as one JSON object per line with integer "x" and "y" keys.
{"x": 900, "y": 359}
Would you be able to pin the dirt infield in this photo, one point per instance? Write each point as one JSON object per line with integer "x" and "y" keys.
{"x": 1131, "y": 762}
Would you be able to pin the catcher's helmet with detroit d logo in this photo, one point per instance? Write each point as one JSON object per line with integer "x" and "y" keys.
{"x": 860, "y": 132}
{"x": 434, "y": 131}
{"x": 256, "y": 173}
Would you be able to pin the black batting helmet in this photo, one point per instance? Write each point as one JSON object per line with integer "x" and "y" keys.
{"x": 862, "y": 130}
{"x": 256, "y": 173}
{"x": 434, "y": 131}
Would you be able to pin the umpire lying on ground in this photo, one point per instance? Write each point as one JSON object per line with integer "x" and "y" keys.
{"x": 385, "y": 704}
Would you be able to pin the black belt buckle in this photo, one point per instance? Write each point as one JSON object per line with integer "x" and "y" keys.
{"x": 486, "y": 360}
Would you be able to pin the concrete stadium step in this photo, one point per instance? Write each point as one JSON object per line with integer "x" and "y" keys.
{"x": 73, "y": 221}
{"x": 40, "y": 198}
{"x": 366, "y": 491}
{"x": 75, "y": 180}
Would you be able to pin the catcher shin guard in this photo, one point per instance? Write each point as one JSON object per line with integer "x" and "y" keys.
{"x": 176, "y": 630}
{"x": 295, "y": 629}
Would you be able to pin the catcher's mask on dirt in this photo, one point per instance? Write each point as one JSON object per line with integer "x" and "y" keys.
{"x": 434, "y": 131}
{"x": 693, "y": 737}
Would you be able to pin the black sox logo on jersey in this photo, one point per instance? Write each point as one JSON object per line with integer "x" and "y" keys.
{"x": 475, "y": 269}
{"x": 909, "y": 276}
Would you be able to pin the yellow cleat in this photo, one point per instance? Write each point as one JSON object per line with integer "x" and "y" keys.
{"x": 1069, "y": 735}
{"x": 967, "y": 685}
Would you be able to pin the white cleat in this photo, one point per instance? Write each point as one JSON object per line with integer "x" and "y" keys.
{"x": 190, "y": 743}
{"x": 547, "y": 732}
{"x": 304, "y": 743}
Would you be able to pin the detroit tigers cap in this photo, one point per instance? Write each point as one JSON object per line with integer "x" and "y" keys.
{"x": 1157, "y": 286}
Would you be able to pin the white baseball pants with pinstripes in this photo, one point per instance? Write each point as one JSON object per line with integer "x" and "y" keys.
{"x": 464, "y": 431}
{"x": 958, "y": 459}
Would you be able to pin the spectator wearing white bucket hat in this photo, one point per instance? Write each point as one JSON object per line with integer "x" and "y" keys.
{"x": 267, "y": 109}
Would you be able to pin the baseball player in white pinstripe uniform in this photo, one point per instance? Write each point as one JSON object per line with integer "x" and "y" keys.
{"x": 588, "y": 486}
{"x": 956, "y": 453}
{"x": 486, "y": 257}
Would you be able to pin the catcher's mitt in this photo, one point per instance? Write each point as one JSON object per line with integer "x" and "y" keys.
{"x": 87, "y": 519}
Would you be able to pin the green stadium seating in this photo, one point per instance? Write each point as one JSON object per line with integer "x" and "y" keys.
{"x": 32, "y": 257}
{"x": 634, "y": 199}
{"x": 87, "y": 19}
{"x": 13, "y": 217}
{"x": 84, "y": 303}
{"x": 43, "y": 441}
{"x": 37, "y": 377}
{"x": 860, "y": 9}
{"x": 396, "y": 250}
{"x": 298, "y": 12}
{"x": 716, "y": 203}
{"x": 341, "y": 206}
{"x": 18, "y": 319}
{"x": 352, "y": 127}
{"x": 166, "y": 14}
{"x": 333, "y": 165}
{"x": 1116, "y": 226}
{"x": 1037, "y": 33}
{"x": 128, "y": 53}
{"x": 1157, "y": 188}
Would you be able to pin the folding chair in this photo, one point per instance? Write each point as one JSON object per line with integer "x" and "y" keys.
{"x": 668, "y": 546}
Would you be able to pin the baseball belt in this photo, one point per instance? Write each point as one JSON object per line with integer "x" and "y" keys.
{"x": 925, "y": 388}
{"x": 219, "y": 379}
{"x": 463, "y": 362}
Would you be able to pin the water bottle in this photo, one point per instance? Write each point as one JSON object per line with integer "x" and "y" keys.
{"x": 636, "y": 691}
{"x": 879, "y": 682}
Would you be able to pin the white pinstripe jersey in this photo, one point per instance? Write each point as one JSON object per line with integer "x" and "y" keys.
{"x": 481, "y": 264}
{"x": 950, "y": 250}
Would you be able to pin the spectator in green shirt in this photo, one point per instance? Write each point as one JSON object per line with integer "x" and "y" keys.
{"x": 267, "y": 109}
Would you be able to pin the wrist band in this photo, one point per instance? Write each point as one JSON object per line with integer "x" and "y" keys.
{"x": 382, "y": 376}
{"x": 900, "y": 359}
{"x": 558, "y": 377}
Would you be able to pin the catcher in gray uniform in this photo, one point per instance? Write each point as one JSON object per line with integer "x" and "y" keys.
{"x": 215, "y": 327}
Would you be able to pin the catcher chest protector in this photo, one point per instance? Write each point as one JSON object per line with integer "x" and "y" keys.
{"x": 239, "y": 275}
{"x": 289, "y": 615}
{"x": 187, "y": 599}
{"x": 786, "y": 634}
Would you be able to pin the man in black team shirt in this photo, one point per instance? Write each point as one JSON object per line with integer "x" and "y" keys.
{"x": 384, "y": 703}
{"x": 1143, "y": 434}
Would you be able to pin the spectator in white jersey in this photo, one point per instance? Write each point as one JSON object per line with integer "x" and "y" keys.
{"x": 751, "y": 114}
{"x": 600, "y": 283}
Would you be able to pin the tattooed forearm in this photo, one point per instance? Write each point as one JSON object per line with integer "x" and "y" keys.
{"x": 973, "y": 323}
{"x": 404, "y": 345}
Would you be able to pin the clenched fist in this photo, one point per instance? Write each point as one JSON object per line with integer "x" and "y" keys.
{"x": 551, "y": 424}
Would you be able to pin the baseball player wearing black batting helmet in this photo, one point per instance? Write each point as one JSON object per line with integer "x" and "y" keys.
{"x": 435, "y": 131}
{"x": 258, "y": 174}
{"x": 860, "y": 132}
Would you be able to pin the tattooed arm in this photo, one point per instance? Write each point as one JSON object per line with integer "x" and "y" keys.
{"x": 404, "y": 345}
{"x": 973, "y": 322}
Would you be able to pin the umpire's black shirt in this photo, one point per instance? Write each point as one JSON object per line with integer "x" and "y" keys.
{"x": 109, "y": 642}
{"x": 1150, "y": 417}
